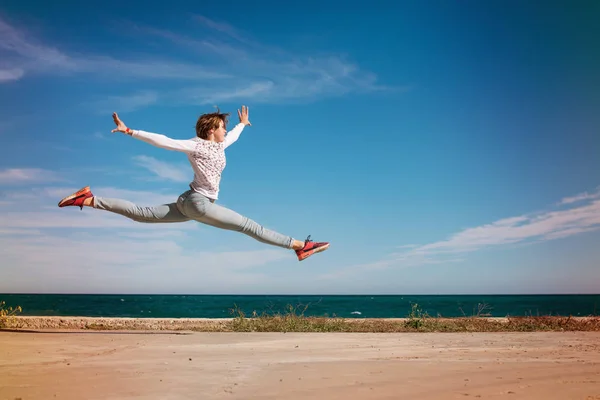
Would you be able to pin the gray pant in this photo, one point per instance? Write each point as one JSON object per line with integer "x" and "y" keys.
{"x": 193, "y": 206}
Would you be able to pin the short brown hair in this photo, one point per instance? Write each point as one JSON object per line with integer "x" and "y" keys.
{"x": 206, "y": 122}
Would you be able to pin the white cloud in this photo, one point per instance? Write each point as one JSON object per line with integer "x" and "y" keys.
{"x": 267, "y": 73}
{"x": 540, "y": 226}
{"x": 208, "y": 96}
{"x": 580, "y": 197}
{"x": 101, "y": 263}
{"x": 27, "y": 175}
{"x": 7, "y": 75}
{"x": 37, "y": 207}
{"x": 229, "y": 66}
{"x": 17, "y": 231}
{"x": 163, "y": 169}
{"x": 45, "y": 248}
{"x": 221, "y": 27}
{"x": 29, "y": 55}
{"x": 517, "y": 230}
{"x": 125, "y": 103}
{"x": 407, "y": 246}
{"x": 149, "y": 68}
{"x": 548, "y": 225}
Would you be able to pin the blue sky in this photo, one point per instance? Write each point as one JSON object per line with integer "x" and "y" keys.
{"x": 441, "y": 147}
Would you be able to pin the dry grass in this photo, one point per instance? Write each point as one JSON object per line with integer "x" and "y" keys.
{"x": 416, "y": 321}
{"x": 7, "y": 314}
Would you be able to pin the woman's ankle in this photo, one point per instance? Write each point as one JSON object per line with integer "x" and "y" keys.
{"x": 89, "y": 202}
{"x": 297, "y": 245}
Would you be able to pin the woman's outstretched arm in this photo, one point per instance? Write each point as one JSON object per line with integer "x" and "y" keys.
{"x": 164, "y": 142}
{"x": 155, "y": 139}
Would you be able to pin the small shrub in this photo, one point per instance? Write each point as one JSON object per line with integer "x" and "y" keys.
{"x": 290, "y": 321}
{"x": 416, "y": 317}
{"x": 7, "y": 315}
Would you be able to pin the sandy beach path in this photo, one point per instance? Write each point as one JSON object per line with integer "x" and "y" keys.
{"x": 159, "y": 365}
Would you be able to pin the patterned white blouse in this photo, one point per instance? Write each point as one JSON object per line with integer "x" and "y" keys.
{"x": 206, "y": 158}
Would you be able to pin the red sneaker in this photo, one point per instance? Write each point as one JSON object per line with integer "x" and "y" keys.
{"x": 311, "y": 248}
{"x": 77, "y": 198}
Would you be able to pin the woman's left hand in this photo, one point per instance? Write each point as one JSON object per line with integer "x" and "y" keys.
{"x": 244, "y": 116}
{"x": 121, "y": 127}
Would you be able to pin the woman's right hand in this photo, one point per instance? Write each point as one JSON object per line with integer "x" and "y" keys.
{"x": 121, "y": 127}
{"x": 243, "y": 115}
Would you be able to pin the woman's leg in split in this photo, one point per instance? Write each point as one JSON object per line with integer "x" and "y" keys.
{"x": 163, "y": 213}
{"x": 193, "y": 206}
{"x": 201, "y": 209}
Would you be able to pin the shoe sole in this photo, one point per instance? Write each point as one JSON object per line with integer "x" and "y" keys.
{"x": 74, "y": 195}
{"x": 315, "y": 251}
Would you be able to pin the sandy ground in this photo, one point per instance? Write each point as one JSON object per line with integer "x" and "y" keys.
{"x": 185, "y": 365}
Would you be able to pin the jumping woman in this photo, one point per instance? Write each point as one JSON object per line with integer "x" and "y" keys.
{"x": 206, "y": 154}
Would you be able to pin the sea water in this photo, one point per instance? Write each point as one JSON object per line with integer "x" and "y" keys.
{"x": 347, "y": 306}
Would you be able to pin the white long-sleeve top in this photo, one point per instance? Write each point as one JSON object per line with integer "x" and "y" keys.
{"x": 206, "y": 158}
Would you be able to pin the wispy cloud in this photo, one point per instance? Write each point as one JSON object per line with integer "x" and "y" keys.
{"x": 229, "y": 66}
{"x": 222, "y": 27}
{"x": 45, "y": 248}
{"x": 266, "y": 73}
{"x": 546, "y": 225}
{"x": 581, "y": 197}
{"x": 37, "y": 206}
{"x": 100, "y": 262}
{"x": 27, "y": 55}
{"x": 14, "y": 232}
{"x": 32, "y": 54}
{"x": 163, "y": 169}
{"x": 7, "y": 75}
{"x": 125, "y": 103}
{"x": 27, "y": 175}
{"x": 518, "y": 230}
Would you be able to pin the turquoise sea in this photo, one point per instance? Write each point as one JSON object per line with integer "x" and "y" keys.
{"x": 348, "y": 306}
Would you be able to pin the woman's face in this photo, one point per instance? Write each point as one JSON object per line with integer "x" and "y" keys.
{"x": 219, "y": 133}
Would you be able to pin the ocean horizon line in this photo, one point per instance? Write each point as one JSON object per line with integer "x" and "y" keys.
{"x": 297, "y": 294}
